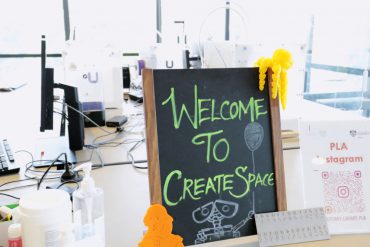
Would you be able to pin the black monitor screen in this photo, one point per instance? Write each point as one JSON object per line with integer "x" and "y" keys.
{"x": 47, "y": 91}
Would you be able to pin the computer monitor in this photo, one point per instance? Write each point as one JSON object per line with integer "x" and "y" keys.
{"x": 72, "y": 104}
{"x": 47, "y": 91}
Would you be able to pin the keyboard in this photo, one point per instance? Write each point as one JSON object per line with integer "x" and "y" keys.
{"x": 6, "y": 158}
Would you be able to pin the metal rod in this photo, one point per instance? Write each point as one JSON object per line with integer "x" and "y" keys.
{"x": 307, "y": 78}
{"x": 159, "y": 21}
{"x": 227, "y": 21}
{"x": 67, "y": 27}
{"x": 27, "y": 55}
{"x": 339, "y": 69}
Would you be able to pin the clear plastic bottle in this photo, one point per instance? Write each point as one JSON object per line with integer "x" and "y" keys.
{"x": 15, "y": 235}
{"x": 88, "y": 207}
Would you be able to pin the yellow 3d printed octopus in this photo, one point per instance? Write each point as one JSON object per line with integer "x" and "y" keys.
{"x": 280, "y": 62}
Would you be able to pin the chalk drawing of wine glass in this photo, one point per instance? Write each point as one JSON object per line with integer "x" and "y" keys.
{"x": 253, "y": 137}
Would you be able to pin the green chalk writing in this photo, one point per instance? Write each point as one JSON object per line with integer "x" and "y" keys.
{"x": 197, "y": 188}
{"x": 207, "y": 138}
{"x": 208, "y": 110}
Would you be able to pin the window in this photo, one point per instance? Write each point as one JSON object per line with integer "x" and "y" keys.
{"x": 338, "y": 59}
{"x": 203, "y": 20}
{"x": 330, "y": 40}
{"x": 119, "y": 24}
{"x": 22, "y": 23}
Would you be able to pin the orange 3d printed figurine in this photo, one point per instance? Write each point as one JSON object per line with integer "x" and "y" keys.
{"x": 159, "y": 233}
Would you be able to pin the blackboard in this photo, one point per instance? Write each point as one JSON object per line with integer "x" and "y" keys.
{"x": 214, "y": 150}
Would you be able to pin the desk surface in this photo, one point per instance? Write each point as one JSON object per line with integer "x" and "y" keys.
{"x": 126, "y": 188}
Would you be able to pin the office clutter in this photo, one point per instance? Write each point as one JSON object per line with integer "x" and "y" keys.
{"x": 280, "y": 62}
{"x": 6, "y": 216}
{"x": 44, "y": 217}
{"x": 159, "y": 233}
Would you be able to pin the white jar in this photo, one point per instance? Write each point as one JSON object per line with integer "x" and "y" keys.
{"x": 43, "y": 214}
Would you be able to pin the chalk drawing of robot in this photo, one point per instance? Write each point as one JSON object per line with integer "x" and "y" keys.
{"x": 215, "y": 212}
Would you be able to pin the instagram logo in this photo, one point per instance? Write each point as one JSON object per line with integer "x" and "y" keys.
{"x": 325, "y": 175}
{"x": 343, "y": 192}
{"x": 357, "y": 174}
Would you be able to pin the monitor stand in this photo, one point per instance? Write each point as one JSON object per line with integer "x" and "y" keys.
{"x": 49, "y": 145}
{"x": 47, "y": 149}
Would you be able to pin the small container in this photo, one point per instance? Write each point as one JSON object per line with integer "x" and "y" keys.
{"x": 15, "y": 235}
{"x": 43, "y": 215}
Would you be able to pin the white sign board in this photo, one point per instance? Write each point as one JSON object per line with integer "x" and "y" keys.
{"x": 336, "y": 172}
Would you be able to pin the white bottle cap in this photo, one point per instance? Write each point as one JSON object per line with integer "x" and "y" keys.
{"x": 14, "y": 231}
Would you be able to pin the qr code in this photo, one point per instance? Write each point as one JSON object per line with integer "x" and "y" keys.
{"x": 343, "y": 192}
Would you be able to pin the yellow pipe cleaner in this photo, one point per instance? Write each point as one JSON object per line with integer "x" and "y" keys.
{"x": 280, "y": 62}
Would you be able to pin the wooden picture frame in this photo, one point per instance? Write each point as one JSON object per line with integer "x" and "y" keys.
{"x": 153, "y": 150}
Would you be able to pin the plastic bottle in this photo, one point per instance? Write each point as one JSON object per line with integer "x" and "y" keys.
{"x": 88, "y": 207}
{"x": 15, "y": 235}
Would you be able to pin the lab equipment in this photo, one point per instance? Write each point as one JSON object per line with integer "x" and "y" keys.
{"x": 225, "y": 54}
